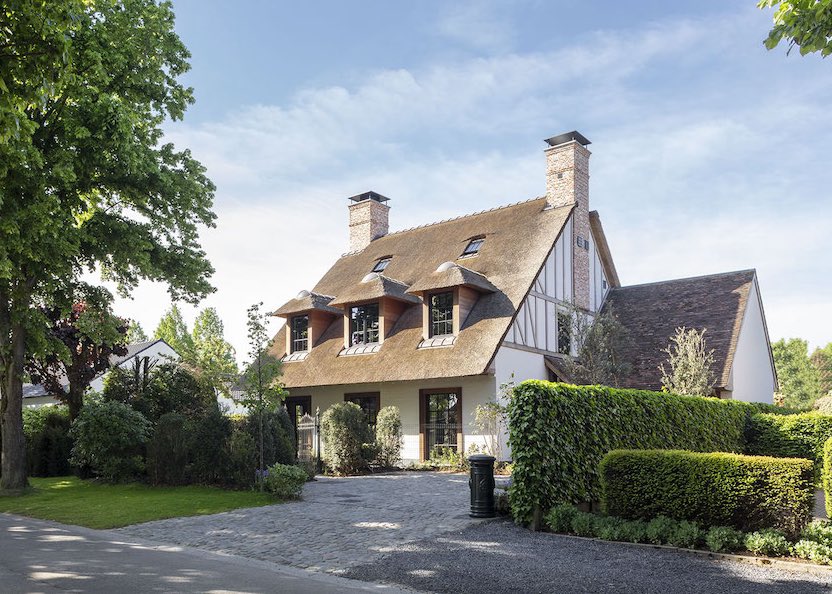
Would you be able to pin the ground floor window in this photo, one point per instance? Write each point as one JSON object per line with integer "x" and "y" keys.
{"x": 369, "y": 403}
{"x": 440, "y": 419}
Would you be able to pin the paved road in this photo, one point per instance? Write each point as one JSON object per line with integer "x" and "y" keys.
{"x": 44, "y": 557}
{"x": 499, "y": 557}
{"x": 340, "y": 522}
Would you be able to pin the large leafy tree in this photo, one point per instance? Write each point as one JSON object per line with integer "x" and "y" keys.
{"x": 822, "y": 361}
{"x": 603, "y": 348}
{"x": 135, "y": 333}
{"x": 798, "y": 378}
{"x": 82, "y": 344}
{"x": 214, "y": 356}
{"x": 174, "y": 331}
{"x": 85, "y": 179}
{"x": 806, "y": 24}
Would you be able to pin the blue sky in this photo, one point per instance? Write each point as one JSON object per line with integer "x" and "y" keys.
{"x": 710, "y": 153}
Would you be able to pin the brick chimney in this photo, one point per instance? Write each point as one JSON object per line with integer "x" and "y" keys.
{"x": 567, "y": 184}
{"x": 369, "y": 219}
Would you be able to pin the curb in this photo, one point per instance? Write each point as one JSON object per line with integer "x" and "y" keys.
{"x": 797, "y": 566}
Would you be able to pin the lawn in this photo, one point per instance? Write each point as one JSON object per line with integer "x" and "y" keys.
{"x": 87, "y": 503}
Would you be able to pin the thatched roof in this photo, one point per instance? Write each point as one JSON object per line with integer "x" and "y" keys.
{"x": 374, "y": 286}
{"x": 307, "y": 301}
{"x": 518, "y": 239}
{"x": 652, "y": 312}
{"x": 453, "y": 275}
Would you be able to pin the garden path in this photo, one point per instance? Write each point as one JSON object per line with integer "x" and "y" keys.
{"x": 339, "y": 523}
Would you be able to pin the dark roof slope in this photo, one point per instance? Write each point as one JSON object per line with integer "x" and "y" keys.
{"x": 517, "y": 240}
{"x": 652, "y": 312}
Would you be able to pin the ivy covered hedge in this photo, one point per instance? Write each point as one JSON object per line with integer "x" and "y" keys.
{"x": 714, "y": 489}
{"x": 790, "y": 436}
{"x": 559, "y": 433}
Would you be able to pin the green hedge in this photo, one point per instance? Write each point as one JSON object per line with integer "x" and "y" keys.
{"x": 714, "y": 489}
{"x": 790, "y": 436}
{"x": 826, "y": 476}
{"x": 558, "y": 434}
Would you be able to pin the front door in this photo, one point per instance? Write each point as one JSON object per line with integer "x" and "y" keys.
{"x": 441, "y": 420}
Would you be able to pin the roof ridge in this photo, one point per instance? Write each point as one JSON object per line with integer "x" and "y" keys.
{"x": 687, "y": 278}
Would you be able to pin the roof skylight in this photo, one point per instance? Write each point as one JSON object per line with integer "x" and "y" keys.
{"x": 473, "y": 247}
{"x": 381, "y": 264}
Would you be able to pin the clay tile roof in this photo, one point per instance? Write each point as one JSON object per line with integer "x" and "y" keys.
{"x": 307, "y": 301}
{"x": 652, "y": 312}
{"x": 453, "y": 276}
{"x": 518, "y": 238}
{"x": 374, "y": 286}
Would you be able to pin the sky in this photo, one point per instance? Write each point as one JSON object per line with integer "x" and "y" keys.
{"x": 710, "y": 153}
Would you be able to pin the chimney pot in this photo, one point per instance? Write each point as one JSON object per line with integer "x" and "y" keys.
{"x": 369, "y": 219}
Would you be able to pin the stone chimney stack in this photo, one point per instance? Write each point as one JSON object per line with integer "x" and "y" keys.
{"x": 567, "y": 184}
{"x": 369, "y": 219}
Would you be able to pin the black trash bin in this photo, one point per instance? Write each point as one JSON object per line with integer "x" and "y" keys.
{"x": 482, "y": 486}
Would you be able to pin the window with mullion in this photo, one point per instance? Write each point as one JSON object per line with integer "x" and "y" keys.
{"x": 441, "y": 307}
{"x": 300, "y": 334}
{"x": 364, "y": 324}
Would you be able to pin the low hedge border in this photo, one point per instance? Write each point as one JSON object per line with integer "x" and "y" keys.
{"x": 716, "y": 489}
{"x": 800, "y": 435}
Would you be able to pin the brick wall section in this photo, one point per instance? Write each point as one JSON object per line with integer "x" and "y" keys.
{"x": 567, "y": 183}
{"x": 369, "y": 220}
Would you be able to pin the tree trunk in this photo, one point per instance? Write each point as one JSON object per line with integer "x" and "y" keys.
{"x": 74, "y": 400}
{"x": 13, "y": 464}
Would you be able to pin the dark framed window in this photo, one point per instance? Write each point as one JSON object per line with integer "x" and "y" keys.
{"x": 440, "y": 414}
{"x": 300, "y": 333}
{"x": 564, "y": 333}
{"x": 370, "y": 402}
{"x": 441, "y": 306}
{"x": 473, "y": 246}
{"x": 364, "y": 324}
{"x": 381, "y": 264}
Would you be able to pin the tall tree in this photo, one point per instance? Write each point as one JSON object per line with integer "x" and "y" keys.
{"x": 86, "y": 181}
{"x": 135, "y": 333}
{"x": 214, "y": 356}
{"x": 822, "y": 361}
{"x": 82, "y": 343}
{"x": 603, "y": 346}
{"x": 174, "y": 331}
{"x": 799, "y": 380}
{"x": 690, "y": 364}
{"x": 803, "y": 23}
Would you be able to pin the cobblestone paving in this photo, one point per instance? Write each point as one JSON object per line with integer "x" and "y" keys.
{"x": 340, "y": 522}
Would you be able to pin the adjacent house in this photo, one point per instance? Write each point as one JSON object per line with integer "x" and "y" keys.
{"x": 436, "y": 318}
{"x": 157, "y": 350}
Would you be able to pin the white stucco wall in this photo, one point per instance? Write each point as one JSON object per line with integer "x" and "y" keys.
{"x": 752, "y": 375}
{"x": 159, "y": 352}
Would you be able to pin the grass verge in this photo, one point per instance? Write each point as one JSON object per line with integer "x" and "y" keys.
{"x": 87, "y": 503}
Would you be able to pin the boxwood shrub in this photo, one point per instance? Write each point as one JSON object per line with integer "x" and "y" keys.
{"x": 746, "y": 492}
{"x": 790, "y": 436}
{"x": 559, "y": 433}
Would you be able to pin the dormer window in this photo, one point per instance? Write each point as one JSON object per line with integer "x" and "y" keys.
{"x": 441, "y": 309}
{"x": 364, "y": 324}
{"x": 473, "y": 247}
{"x": 300, "y": 333}
{"x": 381, "y": 264}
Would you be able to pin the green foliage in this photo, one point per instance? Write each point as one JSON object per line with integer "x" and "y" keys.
{"x": 584, "y": 524}
{"x": 48, "y": 445}
{"x": 213, "y": 355}
{"x": 345, "y": 430}
{"x": 821, "y": 360}
{"x": 389, "y": 436}
{"x": 724, "y": 539}
{"x": 826, "y": 476}
{"x": 285, "y": 481}
{"x": 813, "y": 551}
{"x": 633, "y": 531}
{"x": 109, "y": 438}
{"x": 686, "y": 535}
{"x": 799, "y": 380}
{"x": 609, "y": 528}
{"x": 803, "y": 23}
{"x": 818, "y": 531}
{"x": 135, "y": 333}
{"x": 603, "y": 345}
{"x": 559, "y": 434}
{"x": 208, "y": 438}
{"x": 823, "y": 405}
{"x": 445, "y": 458}
{"x": 770, "y": 543}
{"x": 174, "y": 331}
{"x": 278, "y": 436}
{"x": 167, "y": 451}
{"x": 746, "y": 492}
{"x": 790, "y": 436}
{"x": 559, "y": 518}
{"x": 690, "y": 364}
{"x": 242, "y": 459}
{"x": 659, "y": 529}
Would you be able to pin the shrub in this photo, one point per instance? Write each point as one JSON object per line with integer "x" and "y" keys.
{"x": 278, "y": 436}
{"x": 242, "y": 459}
{"x": 824, "y": 404}
{"x": 790, "y": 436}
{"x": 559, "y": 433}
{"x": 345, "y": 430}
{"x": 609, "y": 528}
{"x": 167, "y": 452}
{"x": 448, "y": 459}
{"x": 746, "y": 492}
{"x": 559, "y": 518}
{"x": 724, "y": 539}
{"x": 818, "y": 531}
{"x": 826, "y": 476}
{"x": 686, "y": 535}
{"x": 285, "y": 481}
{"x": 633, "y": 531}
{"x": 584, "y": 524}
{"x": 813, "y": 551}
{"x": 48, "y": 445}
{"x": 109, "y": 438}
{"x": 208, "y": 448}
{"x": 389, "y": 436}
{"x": 770, "y": 543}
{"x": 659, "y": 529}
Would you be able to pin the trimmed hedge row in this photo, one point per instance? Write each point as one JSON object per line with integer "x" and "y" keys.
{"x": 826, "y": 476}
{"x": 790, "y": 436}
{"x": 559, "y": 433}
{"x": 714, "y": 489}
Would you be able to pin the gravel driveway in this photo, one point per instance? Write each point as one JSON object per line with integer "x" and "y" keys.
{"x": 501, "y": 557}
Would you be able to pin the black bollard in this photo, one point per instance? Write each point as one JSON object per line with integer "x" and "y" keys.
{"x": 482, "y": 486}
